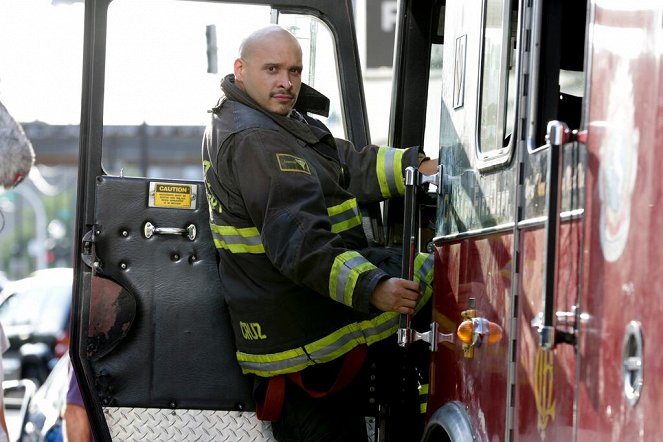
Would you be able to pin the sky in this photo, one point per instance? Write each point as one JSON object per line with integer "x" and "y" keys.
{"x": 156, "y": 69}
{"x": 156, "y": 66}
{"x": 41, "y": 49}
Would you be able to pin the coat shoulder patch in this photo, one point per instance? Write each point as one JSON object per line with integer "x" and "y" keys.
{"x": 291, "y": 163}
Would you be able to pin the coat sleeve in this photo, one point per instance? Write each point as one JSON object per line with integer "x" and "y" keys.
{"x": 377, "y": 173}
{"x": 284, "y": 199}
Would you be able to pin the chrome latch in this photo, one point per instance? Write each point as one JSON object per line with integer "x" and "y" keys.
{"x": 433, "y": 337}
{"x": 150, "y": 229}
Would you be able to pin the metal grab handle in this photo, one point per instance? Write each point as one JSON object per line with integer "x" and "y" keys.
{"x": 150, "y": 229}
{"x": 413, "y": 179}
{"x": 557, "y": 135}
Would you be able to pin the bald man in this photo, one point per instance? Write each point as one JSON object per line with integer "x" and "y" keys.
{"x": 306, "y": 294}
{"x": 269, "y": 69}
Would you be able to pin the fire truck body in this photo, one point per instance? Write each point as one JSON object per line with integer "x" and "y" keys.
{"x": 544, "y": 228}
{"x": 587, "y": 374}
{"x": 618, "y": 397}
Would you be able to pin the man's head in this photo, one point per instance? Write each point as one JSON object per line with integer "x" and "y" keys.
{"x": 269, "y": 69}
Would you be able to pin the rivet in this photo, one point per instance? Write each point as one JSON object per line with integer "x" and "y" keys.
{"x": 125, "y": 233}
{"x": 123, "y": 266}
{"x": 175, "y": 257}
{"x": 193, "y": 258}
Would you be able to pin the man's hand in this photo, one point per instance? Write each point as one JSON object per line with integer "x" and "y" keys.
{"x": 76, "y": 427}
{"x": 396, "y": 295}
{"x": 428, "y": 167}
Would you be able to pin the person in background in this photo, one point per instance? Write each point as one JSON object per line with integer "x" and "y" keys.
{"x": 306, "y": 293}
{"x": 76, "y": 426}
{"x": 4, "y": 345}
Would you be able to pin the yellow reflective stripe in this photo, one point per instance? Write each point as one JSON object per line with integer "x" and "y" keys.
{"x": 344, "y": 274}
{"x": 423, "y": 274}
{"x": 323, "y": 350}
{"x": 344, "y": 216}
{"x": 423, "y": 398}
{"x": 243, "y": 240}
{"x": 273, "y": 364}
{"x": 389, "y": 171}
{"x": 211, "y": 199}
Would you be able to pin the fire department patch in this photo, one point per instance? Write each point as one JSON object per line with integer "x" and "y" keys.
{"x": 291, "y": 163}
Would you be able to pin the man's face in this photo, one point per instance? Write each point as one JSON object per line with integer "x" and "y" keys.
{"x": 271, "y": 73}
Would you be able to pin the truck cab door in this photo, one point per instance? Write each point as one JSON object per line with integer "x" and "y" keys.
{"x": 151, "y": 345}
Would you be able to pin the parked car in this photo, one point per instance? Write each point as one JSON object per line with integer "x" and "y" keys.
{"x": 43, "y": 420}
{"x": 3, "y": 280}
{"x": 35, "y": 313}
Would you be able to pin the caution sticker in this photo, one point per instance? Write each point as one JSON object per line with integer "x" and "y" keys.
{"x": 173, "y": 195}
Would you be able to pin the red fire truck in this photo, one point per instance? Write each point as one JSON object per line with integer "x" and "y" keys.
{"x": 543, "y": 217}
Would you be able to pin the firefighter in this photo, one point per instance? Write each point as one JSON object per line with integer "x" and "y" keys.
{"x": 306, "y": 294}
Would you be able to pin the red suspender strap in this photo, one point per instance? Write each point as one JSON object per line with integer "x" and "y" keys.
{"x": 270, "y": 409}
{"x": 352, "y": 363}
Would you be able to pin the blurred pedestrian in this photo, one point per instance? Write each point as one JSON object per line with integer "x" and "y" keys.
{"x": 76, "y": 426}
{"x": 4, "y": 345}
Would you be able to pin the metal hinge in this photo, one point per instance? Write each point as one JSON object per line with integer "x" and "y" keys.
{"x": 88, "y": 254}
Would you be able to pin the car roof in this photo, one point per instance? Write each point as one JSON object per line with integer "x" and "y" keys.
{"x": 58, "y": 276}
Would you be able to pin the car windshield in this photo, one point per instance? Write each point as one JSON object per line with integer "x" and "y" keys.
{"x": 42, "y": 307}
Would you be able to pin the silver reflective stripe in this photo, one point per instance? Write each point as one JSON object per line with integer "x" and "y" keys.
{"x": 362, "y": 335}
{"x": 344, "y": 276}
{"x": 242, "y": 240}
{"x": 426, "y": 267}
{"x": 323, "y": 350}
{"x": 283, "y": 366}
{"x": 340, "y": 221}
{"x": 389, "y": 171}
{"x": 238, "y": 239}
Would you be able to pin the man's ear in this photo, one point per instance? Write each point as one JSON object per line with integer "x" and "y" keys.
{"x": 239, "y": 69}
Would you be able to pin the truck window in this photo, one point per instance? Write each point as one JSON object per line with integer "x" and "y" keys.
{"x": 433, "y": 109}
{"x": 320, "y": 65}
{"x": 557, "y": 71}
{"x": 498, "y": 81}
{"x": 163, "y": 71}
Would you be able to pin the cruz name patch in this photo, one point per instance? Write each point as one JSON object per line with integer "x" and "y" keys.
{"x": 291, "y": 163}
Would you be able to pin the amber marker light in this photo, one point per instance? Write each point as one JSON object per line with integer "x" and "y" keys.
{"x": 494, "y": 333}
{"x": 491, "y": 332}
{"x": 465, "y": 331}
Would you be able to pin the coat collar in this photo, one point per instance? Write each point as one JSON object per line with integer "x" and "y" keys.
{"x": 296, "y": 128}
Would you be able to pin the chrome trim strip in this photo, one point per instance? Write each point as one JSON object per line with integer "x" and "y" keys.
{"x": 525, "y": 224}
{"x": 476, "y": 232}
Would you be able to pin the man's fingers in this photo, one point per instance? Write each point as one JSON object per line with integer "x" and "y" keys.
{"x": 406, "y": 311}
{"x": 408, "y": 285}
{"x": 406, "y": 304}
{"x": 395, "y": 294}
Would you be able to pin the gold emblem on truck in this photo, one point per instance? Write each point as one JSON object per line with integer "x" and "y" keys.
{"x": 543, "y": 390}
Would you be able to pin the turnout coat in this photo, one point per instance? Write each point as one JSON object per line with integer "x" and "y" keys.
{"x": 284, "y": 199}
